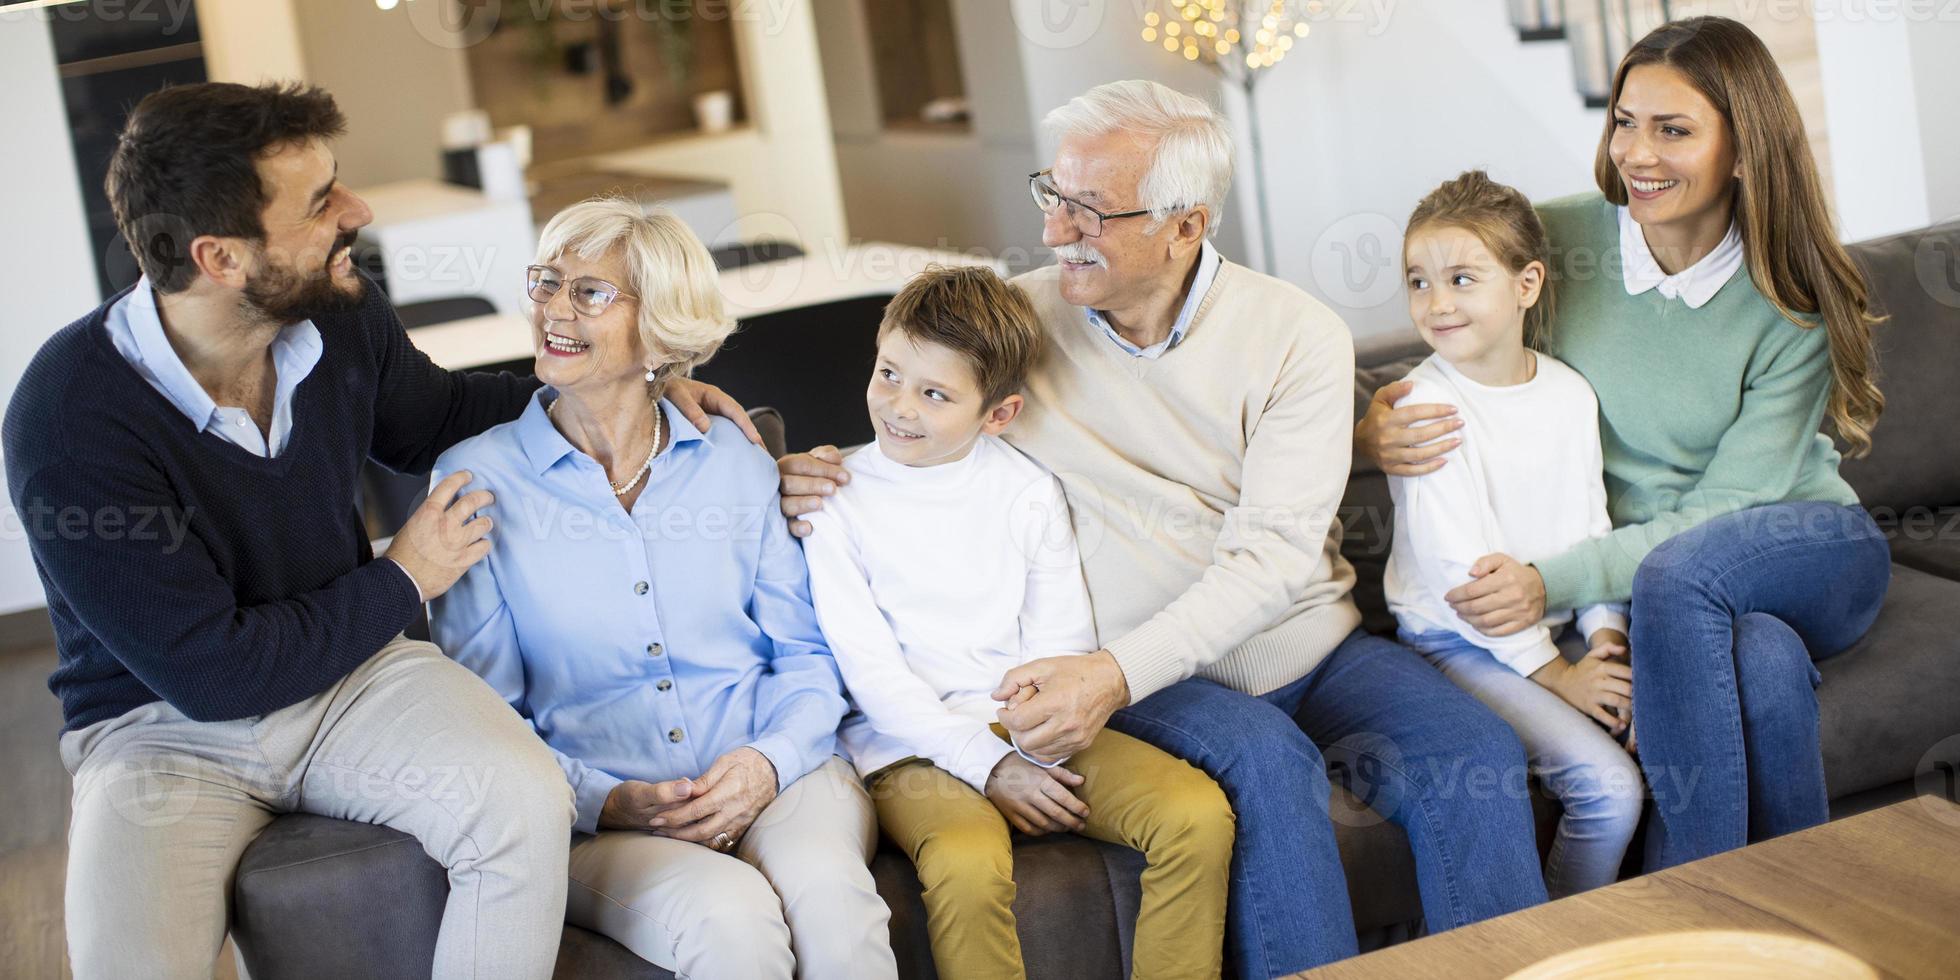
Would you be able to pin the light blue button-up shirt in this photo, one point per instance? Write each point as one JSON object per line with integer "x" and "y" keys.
{"x": 136, "y": 329}
{"x": 642, "y": 646}
{"x": 1208, "y": 260}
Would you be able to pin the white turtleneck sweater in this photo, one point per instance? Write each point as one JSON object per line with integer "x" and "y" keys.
{"x": 930, "y": 583}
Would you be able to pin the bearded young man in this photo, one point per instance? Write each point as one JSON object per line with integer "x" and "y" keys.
{"x": 251, "y": 662}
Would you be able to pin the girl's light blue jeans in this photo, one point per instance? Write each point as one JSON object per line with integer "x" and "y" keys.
{"x": 1593, "y": 778}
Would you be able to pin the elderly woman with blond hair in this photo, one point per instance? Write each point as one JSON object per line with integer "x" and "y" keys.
{"x": 643, "y": 607}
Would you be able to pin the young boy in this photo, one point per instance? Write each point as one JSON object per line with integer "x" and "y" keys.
{"x": 947, "y": 560}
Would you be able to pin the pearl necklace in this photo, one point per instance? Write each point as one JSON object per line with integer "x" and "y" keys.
{"x": 621, "y": 490}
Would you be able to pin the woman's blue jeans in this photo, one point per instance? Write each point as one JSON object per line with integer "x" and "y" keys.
{"x": 1727, "y": 619}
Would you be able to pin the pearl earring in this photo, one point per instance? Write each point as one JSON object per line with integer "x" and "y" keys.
{"x": 652, "y": 375}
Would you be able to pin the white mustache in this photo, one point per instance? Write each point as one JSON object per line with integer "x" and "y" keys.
{"x": 1080, "y": 252}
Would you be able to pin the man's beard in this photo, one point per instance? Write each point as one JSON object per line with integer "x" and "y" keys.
{"x": 280, "y": 294}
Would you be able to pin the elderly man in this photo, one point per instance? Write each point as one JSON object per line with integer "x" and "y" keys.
{"x": 1198, "y": 415}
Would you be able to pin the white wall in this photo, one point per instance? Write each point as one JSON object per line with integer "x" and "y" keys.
{"x": 1889, "y": 76}
{"x": 394, "y": 78}
{"x": 782, "y": 170}
{"x": 1935, "y": 45}
{"x": 1067, "y": 48}
{"x": 944, "y": 189}
{"x": 1019, "y": 59}
{"x": 250, "y": 41}
{"x": 1366, "y": 115}
{"x": 46, "y": 258}
{"x": 1876, "y": 154}
{"x": 1363, "y": 116}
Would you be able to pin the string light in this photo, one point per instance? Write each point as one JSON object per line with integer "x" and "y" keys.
{"x": 1228, "y": 33}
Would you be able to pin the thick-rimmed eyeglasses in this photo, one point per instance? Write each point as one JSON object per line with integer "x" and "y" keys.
{"x": 589, "y": 296}
{"x": 1086, "y": 219}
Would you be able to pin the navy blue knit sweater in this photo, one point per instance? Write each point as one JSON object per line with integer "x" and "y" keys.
{"x": 180, "y": 566}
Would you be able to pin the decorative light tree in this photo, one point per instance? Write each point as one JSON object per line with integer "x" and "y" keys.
{"x": 1239, "y": 39}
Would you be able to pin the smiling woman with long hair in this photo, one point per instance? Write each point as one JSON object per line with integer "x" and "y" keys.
{"x": 1704, "y": 294}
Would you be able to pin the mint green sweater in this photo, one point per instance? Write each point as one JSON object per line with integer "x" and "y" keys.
{"x": 1701, "y": 412}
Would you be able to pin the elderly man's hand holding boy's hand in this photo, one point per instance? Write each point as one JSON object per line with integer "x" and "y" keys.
{"x": 1034, "y": 800}
{"x": 1073, "y": 696}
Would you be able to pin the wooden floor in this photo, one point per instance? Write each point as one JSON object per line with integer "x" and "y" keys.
{"x": 34, "y": 823}
{"x": 33, "y": 817}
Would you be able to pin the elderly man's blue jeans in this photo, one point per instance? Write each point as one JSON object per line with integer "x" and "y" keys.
{"x": 1419, "y": 751}
{"x": 1727, "y": 619}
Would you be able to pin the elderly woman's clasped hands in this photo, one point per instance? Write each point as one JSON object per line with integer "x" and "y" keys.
{"x": 719, "y": 806}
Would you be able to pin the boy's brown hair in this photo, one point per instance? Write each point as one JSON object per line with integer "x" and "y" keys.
{"x": 975, "y": 313}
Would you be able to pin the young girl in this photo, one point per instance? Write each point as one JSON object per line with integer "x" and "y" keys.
{"x": 1524, "y": 481}
{"x": 1705, "y": 297}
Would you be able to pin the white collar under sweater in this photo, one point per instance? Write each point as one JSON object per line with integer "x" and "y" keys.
{"x": 1694, "y": 285}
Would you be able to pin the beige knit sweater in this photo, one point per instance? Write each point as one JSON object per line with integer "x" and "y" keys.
{"x": 1203, "y": 485}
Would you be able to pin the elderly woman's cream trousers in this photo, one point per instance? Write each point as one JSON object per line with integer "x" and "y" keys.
{"x": 795, "y": 898}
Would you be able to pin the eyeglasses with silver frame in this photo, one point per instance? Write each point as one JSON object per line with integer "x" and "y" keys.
{"x": 590, "y": 296}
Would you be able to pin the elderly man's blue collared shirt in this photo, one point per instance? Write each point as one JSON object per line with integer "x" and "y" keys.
{"x": 1208, "y": 260}
{"x": 136, "y": 329}
{"x": 642, "y": 646}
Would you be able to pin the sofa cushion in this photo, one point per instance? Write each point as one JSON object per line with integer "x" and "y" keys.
{"x": 1915, "y": 280}
{"x": 821, "y": 388}
{"x": 320, "y": 897}
{"x": 1895, "y": 694}
{"x": 1924, "y": 538}
{"x": 1367, "y": 514}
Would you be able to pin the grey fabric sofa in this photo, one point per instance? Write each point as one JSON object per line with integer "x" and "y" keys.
{"x": 317, "y": 897}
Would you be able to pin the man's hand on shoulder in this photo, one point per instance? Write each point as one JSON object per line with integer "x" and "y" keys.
{"x": 807, "y": 478}
{"x": 444, "y": 537}
{"x": 700, "y": 401}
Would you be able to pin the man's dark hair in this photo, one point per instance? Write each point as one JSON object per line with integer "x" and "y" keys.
{"x": 187, "y": 165}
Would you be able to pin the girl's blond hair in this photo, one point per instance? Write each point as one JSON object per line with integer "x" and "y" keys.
{"x": 1506, "y": 223}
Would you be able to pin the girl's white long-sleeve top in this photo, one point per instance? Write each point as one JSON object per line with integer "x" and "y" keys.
{"x": 1526, "y": 481}
{"x": 930, "y": 583}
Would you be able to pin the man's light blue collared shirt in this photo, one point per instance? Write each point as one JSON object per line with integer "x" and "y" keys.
{"x": 136, "y": 329}
{"x": 642, "y": 646}
{"x": 1208, "y": 260}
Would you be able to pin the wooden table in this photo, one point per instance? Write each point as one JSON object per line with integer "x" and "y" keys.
{"x": 1883, "y": 886}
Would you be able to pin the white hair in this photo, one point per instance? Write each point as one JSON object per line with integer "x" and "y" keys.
{"x": 681, "y": 317}
{"x": 1191, "y": 145}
